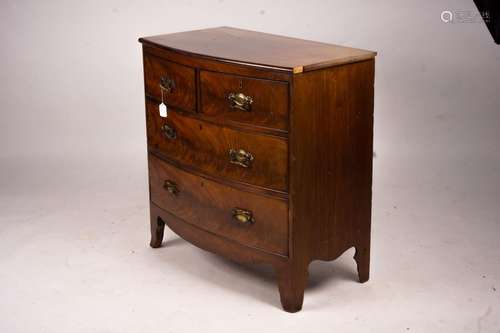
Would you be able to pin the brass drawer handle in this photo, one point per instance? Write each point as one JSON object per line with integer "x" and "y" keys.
{"x": 243, "y": 216}
{"x": 240, "y": 101}
{"x": 167, "y": 84}
{"x": 240, "y": 157}
{"x": 169, "y": 132}
{"x": 171, "y": 187}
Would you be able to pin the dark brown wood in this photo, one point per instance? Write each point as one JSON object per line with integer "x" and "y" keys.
{"x": 260, "y": 49}
{"x": 269, "y": 108}
{"x": 331, "y": 147}
{"x": 334, "y": 152}
{"x": 215, "y": 65}
{"x": 206, "y": 147}
{"x": 208, "y": 205}
{"x": 220, "y": 121}
{"x": 233, "y": 183}
{"x": 216, "y": 243}
{"x": 307, "y": 195}
{"x": 292, "y": 281}
{"x": 157, "y": 230}
{"x": 183, "y": 95}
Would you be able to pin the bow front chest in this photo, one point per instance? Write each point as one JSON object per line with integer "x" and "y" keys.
{"x": 260, "y": 148}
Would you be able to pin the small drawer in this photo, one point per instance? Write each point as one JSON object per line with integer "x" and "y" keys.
{"x": 249, "y": 219}
{"x": 218, "y": 151}
{"x": 253, "y": 102}
{"x": 178, "y": 82}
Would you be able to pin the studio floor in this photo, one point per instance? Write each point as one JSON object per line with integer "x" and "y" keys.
{"x": 74, "y": 257}
{"x": 74, "y": 214}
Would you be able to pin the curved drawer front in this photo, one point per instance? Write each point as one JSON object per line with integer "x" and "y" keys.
{"x": 250, "y": 101}
{"x": 218, "y": 151}
{"x": 249, "y": 219}
{"x": 177, "y": 80}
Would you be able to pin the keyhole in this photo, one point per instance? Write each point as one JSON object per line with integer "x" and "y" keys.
{"x": 241, "y": 84}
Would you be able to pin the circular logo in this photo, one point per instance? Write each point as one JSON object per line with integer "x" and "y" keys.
{"x": 446, "y": 16}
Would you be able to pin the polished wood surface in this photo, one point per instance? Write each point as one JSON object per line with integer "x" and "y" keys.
{"x": 213, "y": 64}
{"x": 208, "y": 240}
{"x": 262, "y": 49}
{"x": 208, "y": 205}
{"x": 332, "y": 148}
{"x": 183, "y": 95}
{"x": 339, "y": 170}
{"x": 269, "y": 108}
{"x": 206, "y": 146}
{"x": 310, "y": 132}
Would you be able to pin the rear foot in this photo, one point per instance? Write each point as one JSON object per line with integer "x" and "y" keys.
{"x": 362, "y": 258}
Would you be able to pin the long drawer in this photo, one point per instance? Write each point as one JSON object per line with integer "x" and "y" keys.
{"x": 219, "y": 151}
{"x": 249, "y": 219}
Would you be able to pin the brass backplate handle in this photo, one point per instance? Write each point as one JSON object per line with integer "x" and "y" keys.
{"x": 243, "y": 216}
{"x": 171, "y": 187}
{"x": 240, "y": 101}
{"x": 169, "y": 132}
{"x": 167, "y": 84}
{"x": 240, "y": 157}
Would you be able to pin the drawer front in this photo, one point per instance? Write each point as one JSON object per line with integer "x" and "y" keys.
{"x": 249, "y": 219}
{"x": 178, "y": 80}
{"x": 221, "y": 98}
{"x": 215, "y": 150}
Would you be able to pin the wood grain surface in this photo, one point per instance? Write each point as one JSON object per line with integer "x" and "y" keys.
{"x": 183, "y": 95}
{"x": 208, "y": 205}
{"x": 310, "y": 131}
{"x": 206, "y": 147}
{"x": 269, "y": 108}
{"x": 262, "y": 49}
{"x": 332, "y": 148}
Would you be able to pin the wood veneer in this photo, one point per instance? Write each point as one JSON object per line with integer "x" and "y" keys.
{"x": 310, "y": 129}
{"x": 206, "y": 146}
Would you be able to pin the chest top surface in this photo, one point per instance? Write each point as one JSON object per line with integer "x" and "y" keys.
{"x": 257, "y": 48}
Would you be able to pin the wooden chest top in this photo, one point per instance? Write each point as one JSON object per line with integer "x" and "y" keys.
{"x": 257, "y": 48}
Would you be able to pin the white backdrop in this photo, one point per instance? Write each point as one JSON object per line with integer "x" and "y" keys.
{"x": 73, "y": 186}
{"x": 72, "y": 79}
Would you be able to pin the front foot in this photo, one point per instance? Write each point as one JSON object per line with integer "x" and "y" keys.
{"x": 157, "y": 230}
{"x": 292, "y": 280}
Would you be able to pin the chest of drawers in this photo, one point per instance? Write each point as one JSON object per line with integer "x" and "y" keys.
{"x": 265, "y": 155}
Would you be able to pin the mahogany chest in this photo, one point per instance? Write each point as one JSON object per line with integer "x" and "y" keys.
{"x": 265, "y": 153}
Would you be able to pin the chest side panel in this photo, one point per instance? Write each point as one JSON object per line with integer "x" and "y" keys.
{"x": 331, "y": 159}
